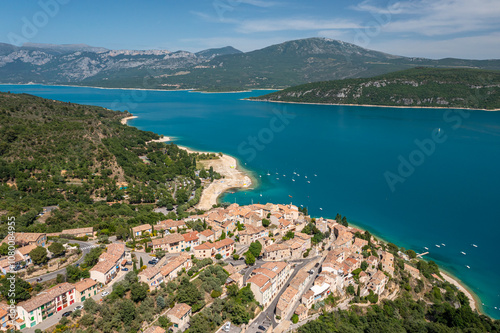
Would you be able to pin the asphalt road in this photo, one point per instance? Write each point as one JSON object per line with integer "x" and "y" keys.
{"x": 266, "y": 317}
{"x": 84, "y": 246}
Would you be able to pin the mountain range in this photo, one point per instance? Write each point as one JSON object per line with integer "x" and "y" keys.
{"x": 276, "y": 66}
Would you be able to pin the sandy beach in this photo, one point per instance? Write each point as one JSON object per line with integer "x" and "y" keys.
{"x": 472, "y": 300}
{"x": 124, "y": 120}
{"x": 227, "y": 166}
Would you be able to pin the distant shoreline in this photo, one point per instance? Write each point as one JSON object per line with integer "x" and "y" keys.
{"x": 369, "y": 105}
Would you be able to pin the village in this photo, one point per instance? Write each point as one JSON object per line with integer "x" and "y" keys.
{"x": 302, "y": 264}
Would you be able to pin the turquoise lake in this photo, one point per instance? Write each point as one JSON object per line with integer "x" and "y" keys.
{"x": 446, "y": 191}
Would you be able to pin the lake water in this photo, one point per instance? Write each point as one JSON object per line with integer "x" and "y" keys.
{"x": 446, "y": 191}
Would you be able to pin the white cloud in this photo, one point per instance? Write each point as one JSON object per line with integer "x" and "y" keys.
{"x": 485, "y": 46}
{"x": 294, "y": 24}
{"x": 437, "y": 17}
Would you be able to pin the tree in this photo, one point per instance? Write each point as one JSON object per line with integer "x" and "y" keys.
{"x": 236, "y": 256}
{"x": 139, "y": 291}
{"x": 364, "y": 265}
{"x": 350, "y": 289}
{"x": 255, "y": 248}
{"x": 289, "y": 235}
{"x": 141, "y": 263}
{"x": 344, "y": 222}
{"x": 39, "y": 255}
{"x": 92, "y": 257}
{"x": 160, "y": 302}
{"x": 57, "y": 249}
{"x": 22, "y": 288}
{"x": 218, "y": 256}
{"x": 249, "y": 258}
{"x": 164, "y": 322}
{"x": 295, "y": 318}
{"x": 4, "y": 249}
{"x": 127, "y": 311}
{"x": 411, "y": 254}
{"x": 265, "y": 223}
{"x": 90, "y": 306}
{"x": 232, "y": 290}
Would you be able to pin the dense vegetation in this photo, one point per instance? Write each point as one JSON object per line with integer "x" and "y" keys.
{"x": 424, "y": 87}
{"x": 405, "y": 315}
{"x": 97, "y": 171}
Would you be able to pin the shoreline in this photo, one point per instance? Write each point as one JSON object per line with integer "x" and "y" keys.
{"x": 474, "y": 300}
{"x": 237, "y": 178}
{"x": 234, "y": 177}
{"x": 377, "y": 106}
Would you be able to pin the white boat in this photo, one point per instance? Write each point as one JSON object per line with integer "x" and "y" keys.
{"x": 437, "y": 245}
{"x": 294, "y": 173}
{"x": 298, "y": 175}
{"x": 277, "y": 178}
{"x": 315, "y": 175}
{"x": 268, "y": 173}
{"x": 309, "y": 182}
{"x": 463, "y": 253}
{"x": 261, "y": 194}
{"x": 305, "y": 176}
{"x": 293, "y": 180}
{"x": 474, "y": 245}
{"x": 321, "y": 208}
{"x": 467, "y": 266}
{"x": 443, "y": 244}
{"x": 284, "y": 175}
{"x": 426, "y": 248}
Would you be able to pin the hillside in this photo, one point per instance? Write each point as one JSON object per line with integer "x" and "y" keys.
{"x": 418, "y": 87}
{"x": 276, "y": 66}
{"x": 81, "y": 158}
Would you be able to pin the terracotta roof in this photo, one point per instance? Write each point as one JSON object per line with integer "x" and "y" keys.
{"x": 173, "y": 264}
{"x": 270, "y": 274}
{"x": 26, "y": 249}
{"x": 179, "y": 310}
{"x": 286, "y": 298}
{"x": 168, "y": 239}
{"x": 190, "y": 236}
{"x": 116, "y": 249}
{"x": 46, "y": 297}
{"x": 78, "y": 231}
{"x": 276, "y": 267}
{"x": 84, "y": 284}
{"x": 103, "y": 266}
{"x": 207, "y": 233}
{"x": 150, "y": 272}
{"x": 276, "y": 247}
{"x": 170, "y": 224}
{"x": 24, "y": 237}
{"x": 251, "y": 230}
{"x": 300, "y": 309}
{"x": 222, "y": 243}
{"x": 308, "y": 294}
{"x": 259, "y": 279}
{"x": 142, "y": 227}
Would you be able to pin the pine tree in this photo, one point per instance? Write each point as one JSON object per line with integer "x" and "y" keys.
{"x": 141, "y": 263}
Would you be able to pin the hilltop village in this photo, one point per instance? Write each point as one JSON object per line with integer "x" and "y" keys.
{"x": 278, "y": 264}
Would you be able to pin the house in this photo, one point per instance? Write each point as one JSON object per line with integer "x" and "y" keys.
{"x": 301, "y": 312}
{"x": 152, "y": 277}
{"x": 104, "y": 271}
{"x": 140, "y": 229}
{"x": 223, "y": 247}
{"x": 170, "y": 225}
{"x": 79, "y": 232}
{"x": 235, "y": 278}
{"x": 179, "y": 315}
{"x": 376, "y": 284}
{"x": 251, "y": 234}
{"x": 191, "y": 239}
{"x": 117, "y": 250}
{"x": 155, "y": 329}
{"x": 320, "y": 290}
{"x": 26, "y": 238}
{"x": 286, "y": 301}
{"x": 414, "y": 272}
{"x": 172, "y": 243}
{"x": 277, "y": 252}
{"x": 305, "y": 238}
{"x": 266, "y": 281}
{"x": 359, "y": 244}
{"x": 6, "y": 264}
{"x": 5, "y": 321}
{"x": 173, "y": 267}
{"x": 85, "y": 289}
{"x": 206, "y": 235}
{"x": 300, "y": 280}
{"x": 229, "y": 226}
{"x": 24, "y": 252}
{"x": 308, "y": 298}
{"x": 44, "y": 305}
{"x": 387, "y": 261}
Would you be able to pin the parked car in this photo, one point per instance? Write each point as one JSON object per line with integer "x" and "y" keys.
{"x": 153, "y": 262}
{"x": 227, "y": 326}
{"x": 125, "y": 269}
{"x": 262, "y": 328}
{"x": 79, "y": 307}
{"x": 317, "y": 264}
{"x": 39, "y": 280}
{"x": 67, "y": 313}
{"x": 105, "y": 294}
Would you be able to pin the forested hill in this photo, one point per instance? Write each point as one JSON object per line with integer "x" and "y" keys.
{"x": 418, "y": 87}
{"x": 81, "y": 158}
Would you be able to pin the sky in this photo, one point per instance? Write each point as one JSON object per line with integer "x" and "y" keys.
{"x": 418, "y": 28}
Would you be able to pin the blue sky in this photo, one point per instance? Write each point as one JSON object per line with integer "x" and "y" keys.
{"x": 421, "y": 28}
